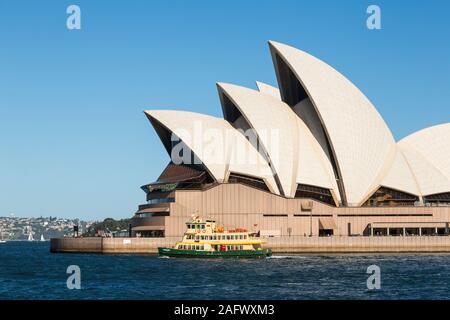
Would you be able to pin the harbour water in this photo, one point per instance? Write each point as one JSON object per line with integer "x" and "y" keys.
{"x": 29, "y": 271}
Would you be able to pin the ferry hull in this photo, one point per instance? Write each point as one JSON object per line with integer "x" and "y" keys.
{"x": 175, "y": 253}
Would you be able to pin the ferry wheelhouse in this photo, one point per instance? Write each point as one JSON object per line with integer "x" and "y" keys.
{"x": 204, "y": 239}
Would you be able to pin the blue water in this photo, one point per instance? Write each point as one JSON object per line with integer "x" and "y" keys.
{"x": 30, "y": 271}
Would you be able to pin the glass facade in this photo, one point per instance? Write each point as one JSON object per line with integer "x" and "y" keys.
{"x": 313, "y": 192}
{"x": 389, "y": 197}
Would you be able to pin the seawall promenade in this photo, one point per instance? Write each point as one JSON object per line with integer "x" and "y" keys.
{"x": 335, "y": 244}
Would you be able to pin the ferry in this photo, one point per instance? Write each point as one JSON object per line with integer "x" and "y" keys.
{"x": 204, "y": 239}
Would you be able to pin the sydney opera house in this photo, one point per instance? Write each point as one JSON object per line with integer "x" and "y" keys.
{"x": 312, "y": 157}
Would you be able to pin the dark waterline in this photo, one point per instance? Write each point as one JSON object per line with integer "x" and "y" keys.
{"x": 30, "y": 271}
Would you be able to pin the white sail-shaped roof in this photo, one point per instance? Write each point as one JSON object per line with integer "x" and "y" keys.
{"x": 276, "y": 128}
{"x": 400, "y": 177}
{"x": 220, "y": 147}
{"x": 314, "y": 167}
{"x": 358, "y": 137}
{"x": 429, "y": 178}
{"x": 268, "y": 89}
{"x": 297, "y": 156}
{"x": 428, "y": 152}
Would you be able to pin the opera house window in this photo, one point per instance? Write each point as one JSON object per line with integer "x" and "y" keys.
{"x": 313, "y": 192}
{"x": 249, "y": 181}
{"x": 438, "y": 199}
{"x": 389, "y": 197}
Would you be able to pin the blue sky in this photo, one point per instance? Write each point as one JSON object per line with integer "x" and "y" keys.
{"x": 74, "y": 141}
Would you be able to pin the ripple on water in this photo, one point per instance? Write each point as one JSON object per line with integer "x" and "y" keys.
{"x": 30, "y": 271}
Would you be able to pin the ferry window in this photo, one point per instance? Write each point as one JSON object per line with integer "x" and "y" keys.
{"x": 197, "y": 226}
{"x": 189, "y": 247}
{"x": 228, "y": 237}
{"x": 214, "y": 237}
{"x": 241, "y": 237}
{"x": 203, "y": 226}
{"x": 245, "y": 236}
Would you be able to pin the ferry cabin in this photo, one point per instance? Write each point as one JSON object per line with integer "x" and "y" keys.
{"x": 205, "y": 236}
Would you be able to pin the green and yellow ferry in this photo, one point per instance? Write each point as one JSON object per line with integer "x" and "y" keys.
{"x": 204, "y": 239}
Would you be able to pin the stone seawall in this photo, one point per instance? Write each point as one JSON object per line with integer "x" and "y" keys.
{"x": 342, "y": 244}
